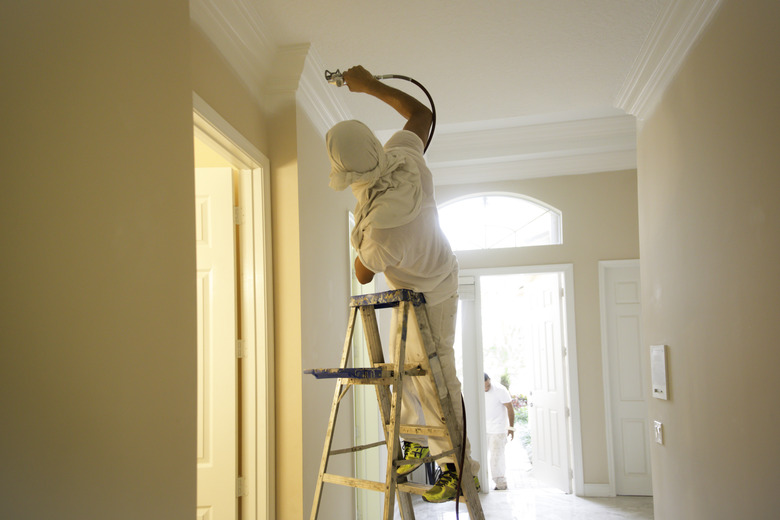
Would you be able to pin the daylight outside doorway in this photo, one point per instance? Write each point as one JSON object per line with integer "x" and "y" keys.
{"x": 513, "y": 324}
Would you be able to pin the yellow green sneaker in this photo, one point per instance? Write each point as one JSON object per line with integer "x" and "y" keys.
{"x": 412, "y": 451}
{"x": 445, "y": 488}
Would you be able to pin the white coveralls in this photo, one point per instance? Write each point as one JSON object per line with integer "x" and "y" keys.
{"x": 397, "y": 233}
{"x": 497, "y": 427}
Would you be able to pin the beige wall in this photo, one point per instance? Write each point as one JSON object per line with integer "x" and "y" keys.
{"x": 710, "y": 241}
{"x": 599, "y": 223}
{"x": 219, "y": 86}
{"x": 97, "y": 320}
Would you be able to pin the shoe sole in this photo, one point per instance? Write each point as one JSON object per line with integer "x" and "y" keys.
{"x": 406, "y": 472}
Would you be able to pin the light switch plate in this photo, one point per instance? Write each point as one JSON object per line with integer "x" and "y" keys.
{"x": 658, "y": 427}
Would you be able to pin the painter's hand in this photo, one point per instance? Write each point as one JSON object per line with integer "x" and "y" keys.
{"x": 359, "y": 79}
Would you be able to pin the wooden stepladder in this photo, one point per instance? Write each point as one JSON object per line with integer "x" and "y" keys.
{"x": 383, "y": 375}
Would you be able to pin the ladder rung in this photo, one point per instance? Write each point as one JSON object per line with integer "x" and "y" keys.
{"x": 353, "y": 482}
{"x": 358, "y": 448}
{"x": 430, "y": 431}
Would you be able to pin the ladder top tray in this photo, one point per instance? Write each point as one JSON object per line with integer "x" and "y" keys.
{"x": 388, "y": 299}
{"x": 352, "y": 373}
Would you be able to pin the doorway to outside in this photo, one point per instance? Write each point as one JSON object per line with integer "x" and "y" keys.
{"x": 517, "y": 325}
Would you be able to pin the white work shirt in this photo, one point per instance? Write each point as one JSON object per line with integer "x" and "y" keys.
{"x": 495, "y": 411}
{"x": 416, "y": 255}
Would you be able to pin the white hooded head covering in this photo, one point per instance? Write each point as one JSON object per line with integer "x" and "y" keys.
{"x": 387, "y": 185}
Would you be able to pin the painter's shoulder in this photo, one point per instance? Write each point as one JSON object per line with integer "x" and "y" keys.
{"x": 405, "y": 139}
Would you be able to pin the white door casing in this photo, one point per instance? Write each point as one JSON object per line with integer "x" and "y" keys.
{"x": 625, "y": 381}
{"x": 257, "y": 436}
{"x": 217, "y": 335}
{"x": 548, "y": 413}
{"x": 471, "y": 370}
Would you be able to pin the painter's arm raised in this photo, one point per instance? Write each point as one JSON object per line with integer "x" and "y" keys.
{"x": 418, "y": 117}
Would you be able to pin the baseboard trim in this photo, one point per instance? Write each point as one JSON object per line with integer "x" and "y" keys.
{"x": 598, "y": 490}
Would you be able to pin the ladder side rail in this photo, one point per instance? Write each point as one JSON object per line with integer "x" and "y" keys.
{"x": 333, "y": 413}
{"x": 393, "y": 428}
{"x": 376, "y": 356}
{"x": 468, "y": 487}
{"x": 384, "y": 399}
{"x": 445, "y": 400}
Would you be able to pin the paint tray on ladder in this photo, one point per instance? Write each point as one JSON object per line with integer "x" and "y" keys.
{"x": 351, "y": 373}
{"x": 364, "y": 375}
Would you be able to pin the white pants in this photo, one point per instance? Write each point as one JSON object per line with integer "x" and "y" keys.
{"x": 419, "y": 397}
{"x": 496, "y": 447}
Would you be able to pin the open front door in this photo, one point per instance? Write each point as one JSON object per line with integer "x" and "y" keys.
{"x": 217, "y": 403}
{"x": 548, "y": 409}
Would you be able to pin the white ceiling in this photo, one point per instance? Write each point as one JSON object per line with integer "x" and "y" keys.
{"x": 481, "y": 60}
{"x": 523, "y": 88}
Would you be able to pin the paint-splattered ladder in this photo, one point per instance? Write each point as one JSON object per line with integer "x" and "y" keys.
{"x": 382, "y": 376}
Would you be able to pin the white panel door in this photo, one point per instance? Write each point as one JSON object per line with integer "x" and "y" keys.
{"x": 217, "y": 390}
{"x": 548, "y": 410}
{"x": 628, "y": 385}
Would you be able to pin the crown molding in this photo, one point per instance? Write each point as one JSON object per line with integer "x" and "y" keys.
{"x": 671, "y": 38}
{"x": 237, "y": 31}
{"x": 316, "y": 96}
{"x": 534, "y": 168}
{"x": 534, "y": 150}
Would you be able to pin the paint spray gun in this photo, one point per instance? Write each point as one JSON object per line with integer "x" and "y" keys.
{"x": 337, "y": 79}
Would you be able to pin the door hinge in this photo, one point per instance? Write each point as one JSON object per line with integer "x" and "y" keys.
{"x": 240, "y": 488}
{"x": 240, "y": 353}
{"x": 568, "y": 412}
{"x": 238, "y": 216}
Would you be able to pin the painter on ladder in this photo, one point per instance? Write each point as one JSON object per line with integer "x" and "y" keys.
{"x": 397, "y": 233}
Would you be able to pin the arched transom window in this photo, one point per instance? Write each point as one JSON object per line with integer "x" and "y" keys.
{"x": 499, "y": 221}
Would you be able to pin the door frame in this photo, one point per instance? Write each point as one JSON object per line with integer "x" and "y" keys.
{"x": 570, "y": 334}
{"x": 611, "y": 490}
{"x": 256, "y": 284}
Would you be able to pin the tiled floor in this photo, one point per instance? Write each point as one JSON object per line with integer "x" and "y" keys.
{"x": 526, "y": 499}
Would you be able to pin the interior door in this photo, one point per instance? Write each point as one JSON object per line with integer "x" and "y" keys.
{"x": 627, "y": 380}
{"x": 217, "y": 362}
{"x": 548, "y": 415}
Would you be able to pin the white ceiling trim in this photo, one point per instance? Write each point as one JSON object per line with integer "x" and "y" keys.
{"x": 532, "y": 168}
{"x": 591, "y": 135}
{"x": 235, "y": 28}
{"x": 540, "y": 150}
{"x": 670, "y": 40}
{"x": 316, "y": 97}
